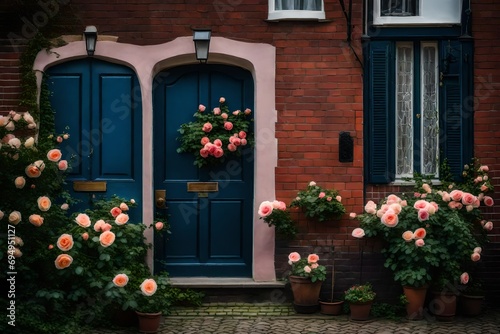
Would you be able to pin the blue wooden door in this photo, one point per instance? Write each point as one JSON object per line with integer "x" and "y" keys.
{"x": 99, "y": 105}
{"x": 211, "y": 232}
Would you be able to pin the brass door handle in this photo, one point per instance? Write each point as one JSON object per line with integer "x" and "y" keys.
{"x": 160, "y": 199}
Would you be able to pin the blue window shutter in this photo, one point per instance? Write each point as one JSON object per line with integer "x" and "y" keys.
{"x": 379, "y": 113}
{"x": 457, "y": 117}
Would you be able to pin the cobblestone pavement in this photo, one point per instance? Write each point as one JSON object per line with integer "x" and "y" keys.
{"x": 252, "y": 319}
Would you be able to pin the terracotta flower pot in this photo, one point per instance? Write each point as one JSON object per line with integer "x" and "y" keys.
{"x": 305, "y": 294}
{"x": 416, "y": 300}
{"x": 331, "y": 308}
{"x": 443, "y": 305}
{"x": 360, "y": 311}
{"x": 471, "y": 305}
{"x": 149, "y": 322}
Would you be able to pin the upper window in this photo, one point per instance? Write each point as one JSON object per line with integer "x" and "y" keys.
{"x": 416, "y": 12}
{"x": 296, "y": 10}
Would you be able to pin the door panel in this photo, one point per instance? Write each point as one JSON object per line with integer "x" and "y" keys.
{"x": 99, "y": 105}
{"x": 211, "y": 234}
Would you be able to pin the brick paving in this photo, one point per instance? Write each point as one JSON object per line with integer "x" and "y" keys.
{"x": 235, "y": 318}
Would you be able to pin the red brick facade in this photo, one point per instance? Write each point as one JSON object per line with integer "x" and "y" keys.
{"x": 319, "y": 93}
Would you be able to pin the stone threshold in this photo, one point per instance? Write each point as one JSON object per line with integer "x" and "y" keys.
{"x": 222, "y": 282}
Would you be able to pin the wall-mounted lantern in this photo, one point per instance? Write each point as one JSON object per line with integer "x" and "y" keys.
{"x": 90, "y": 34}
{"x": 201, "y": 38}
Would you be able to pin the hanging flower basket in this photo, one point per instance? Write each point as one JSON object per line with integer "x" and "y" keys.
{"x": 217, "y": 135}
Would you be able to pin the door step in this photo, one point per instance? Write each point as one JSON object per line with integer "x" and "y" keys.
{"x": 234, "y": 309}
{"x": 235, "y": 289}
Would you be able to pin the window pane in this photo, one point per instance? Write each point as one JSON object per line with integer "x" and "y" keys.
{"x": 430, "y": 115}
{"x": 399, "y": 7}
{"x": 297, "y": 4}
{"x": 404, "y": 111}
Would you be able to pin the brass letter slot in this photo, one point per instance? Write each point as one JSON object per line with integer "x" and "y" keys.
{"x": 91, "y": 186}
{"x": 202, "y": 187}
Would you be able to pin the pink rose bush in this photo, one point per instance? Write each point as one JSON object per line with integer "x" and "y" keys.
{"x": 308, "y": 267}
{"x": 216, "y": 136}
{"x": 319, "y": 203}
{"x": 276, "y": 213}
{"x": 434, "y": 234}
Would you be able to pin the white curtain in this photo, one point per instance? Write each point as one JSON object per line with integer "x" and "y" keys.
{"x": 297, "y": 4}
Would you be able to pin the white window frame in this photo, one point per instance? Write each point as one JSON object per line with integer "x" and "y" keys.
{"x": 281, "y": 15}
{"x": 431, "y": 12}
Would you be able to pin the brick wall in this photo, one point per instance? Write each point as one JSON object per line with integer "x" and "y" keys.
{"x": 318, "y": 95}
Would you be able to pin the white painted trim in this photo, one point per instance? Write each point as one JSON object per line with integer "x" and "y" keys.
{"x": 147, "y": 61}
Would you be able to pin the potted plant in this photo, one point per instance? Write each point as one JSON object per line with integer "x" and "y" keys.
{"x": 331, "y": 306}
{"x": 319, "y": 203}
{"x": 360, "y": 298}
{"x": 214, "y": 136}
{"x": 471, "y": 299}
{"x": 306, "y": 277}
{"x": 430, "y": 234}
{"x": 276, "y": 214}
{"x": 149, "y": 297}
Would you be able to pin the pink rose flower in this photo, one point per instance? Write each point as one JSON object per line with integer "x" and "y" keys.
{"x": 265, "y": 208}
{"x": 83, "y": 220}
{"x": 484, "y": 187}
{"x": 228, "y": 126}
{"x": 219, "y": 152}
{"x": 468, "y": 199}
{"x": 392, "y": 199}
{"x": 484, "y": 168}
{"x": 204, "y": 153}
{"x": 44, "y": 203}
{"x": 218, "y": 143}
{"x": 224, "y": 115}
{"x": 488, "y": 201}
{"x": 106, "y": 227}
{"x": 64, "y": 206}
{"x": 475, "y": 257}
{"x": 217, "y": 111}
{"x": 36, "y": 220}
{"x": 207, "y": 127}
{"x": 236, "y": 112}
{"x": 204, "y": 141}
{"x": 456, "y": 195}
{"x": 243, "y": 141}
{"x": 33, "y": 171}
{"x": 54, "y": 155}
{"x": 65, "y": 242}
{"x": 338, "y": 198}
{"x": 242, "y": 134}
{"x": 201, "y": 108}
{"x": 65, "y": 136}
{"x": 314, "y": 265}
{"x": 159, "y": 226}
{"x": 419, "y": 242}
{"x": 247, "y": 111}
{"x": 231, "y": 147}
{"x": 421, "y": 204}
{"x": 148, "y": 287}
{"x": 63, "y": 261}
{"x": 62, "y": 165}
{"x": 98, "y": 225}
{"x": 280, "y": 205}
{"x": 353, "y": 215}
{"x": 106, "y": 238}
{"x": 313, "y": 258}
{"x": 426, "y": 188}
{"x": 423, "y": 215}
{"x": 85, "y": 236}
{"x": 390, "y": 219}
{"x": 312, "y": 184}
{"x": 121, "y": 219}
{"x": 321, "y": 195}
{"x": 488, "y": 226}
{"x": 329, "y": 199}
{"x": 464, "y": 278}
{"x": 420, "y": 233}
{"x": 307, "y": 269}
{"x": 115, "y": 211}
{"x": 222, "y": 100}
{"x": 408, "y": 236}
{"x": 293, "y": 257}
{"x": 120, "y": 280}
{"x": 478, "y": 250}
{"x": 20, "y": 182}
{"x": 124, "y": 207}
{"x": 358, "y": 233}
